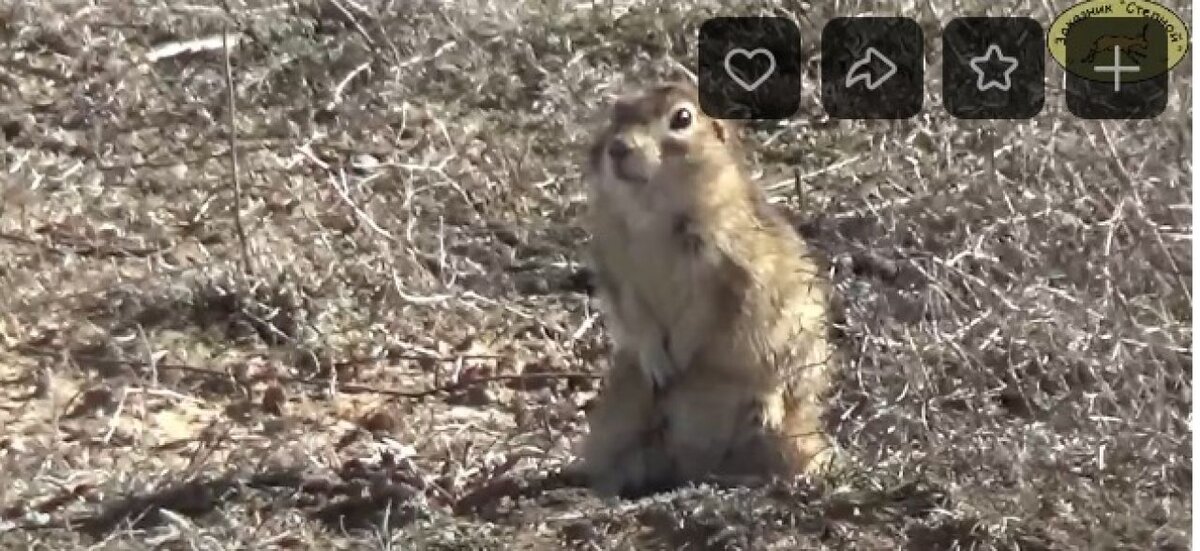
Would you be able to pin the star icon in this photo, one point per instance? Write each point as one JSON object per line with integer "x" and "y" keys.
{"x": 1004, "y": 84}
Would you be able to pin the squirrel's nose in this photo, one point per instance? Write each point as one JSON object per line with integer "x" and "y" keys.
{"x": 618, "y": 148}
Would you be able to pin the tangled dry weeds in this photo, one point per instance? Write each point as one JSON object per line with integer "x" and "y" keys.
{"x": 404, "y": 362}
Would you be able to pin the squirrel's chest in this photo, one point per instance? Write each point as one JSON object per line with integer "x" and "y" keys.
{"x": 664, "y": 266}
{"x": 648, "y": 301}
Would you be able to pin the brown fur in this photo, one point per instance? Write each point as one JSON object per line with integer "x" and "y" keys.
{"x": 716, "y": 311}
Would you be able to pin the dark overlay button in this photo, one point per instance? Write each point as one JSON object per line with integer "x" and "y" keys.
{"x": 749, "y": 67}
{"x": 872, "y": 68}
{"x": 993, "y": 67}
{"x": 1116, "y": 68}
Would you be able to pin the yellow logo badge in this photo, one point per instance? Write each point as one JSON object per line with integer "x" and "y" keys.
{"x": 1162, "y": 31}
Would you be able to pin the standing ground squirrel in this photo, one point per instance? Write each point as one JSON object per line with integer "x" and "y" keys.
{"x": 716, "y": 311}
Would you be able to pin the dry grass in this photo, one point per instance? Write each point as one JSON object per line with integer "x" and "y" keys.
{"x": 1016, "y": 295}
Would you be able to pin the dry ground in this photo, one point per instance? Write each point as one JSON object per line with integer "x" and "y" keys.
{"x": 404, "y": 359}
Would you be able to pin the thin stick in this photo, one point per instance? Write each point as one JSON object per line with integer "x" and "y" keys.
{"x": 445, "y": 388}
{"x": 233, "y": 143}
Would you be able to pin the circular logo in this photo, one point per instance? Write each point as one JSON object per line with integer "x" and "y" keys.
{"x": 1103, "y": 26}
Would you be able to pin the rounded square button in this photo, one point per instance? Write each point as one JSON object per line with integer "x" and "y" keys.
{"x": 872, "y": 68}
{"x": 993, "y": 67}
{"x": 749, "y": 67}
{"x": 1117, "y": 68}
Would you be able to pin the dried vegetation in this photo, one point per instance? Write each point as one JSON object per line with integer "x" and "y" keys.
{"x": 403, "y": 361}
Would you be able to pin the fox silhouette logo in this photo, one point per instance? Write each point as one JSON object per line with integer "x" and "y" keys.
{"x": 1134, "y": 46}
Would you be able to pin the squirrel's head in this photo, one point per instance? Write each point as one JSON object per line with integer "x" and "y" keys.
{"x": 658, "y": 132}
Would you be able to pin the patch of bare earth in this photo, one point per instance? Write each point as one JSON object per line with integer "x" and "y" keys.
{"x": 397, "y": 354}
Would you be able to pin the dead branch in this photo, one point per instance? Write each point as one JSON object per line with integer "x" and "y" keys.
{"x": 233, "y": 143}
{"x": 352, "y": 388}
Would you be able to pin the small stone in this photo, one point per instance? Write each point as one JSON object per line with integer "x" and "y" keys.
{"x": 178, "y": 170}
{"x": 364, "y": 163}
{"x": 274, "y": 400}
{"x": 380, "y": 421}
{"x": 476, "y": 396}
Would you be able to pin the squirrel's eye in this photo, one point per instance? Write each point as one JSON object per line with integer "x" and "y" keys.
{"x": 682, "y": 118}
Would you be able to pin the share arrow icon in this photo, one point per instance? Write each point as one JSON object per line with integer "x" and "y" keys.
{"x": 860, "y": 71}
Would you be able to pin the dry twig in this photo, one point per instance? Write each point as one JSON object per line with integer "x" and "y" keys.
{"x": 247, "y": 264}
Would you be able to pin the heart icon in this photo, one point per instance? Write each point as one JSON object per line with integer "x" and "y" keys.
{"x": 749, "y": 86}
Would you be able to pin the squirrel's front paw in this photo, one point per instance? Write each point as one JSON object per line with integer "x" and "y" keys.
{"x": 657, "y": 364}
{"x": 576, "y": 473}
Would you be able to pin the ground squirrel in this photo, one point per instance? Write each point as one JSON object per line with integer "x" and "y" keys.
{"x": 716, "y": 311}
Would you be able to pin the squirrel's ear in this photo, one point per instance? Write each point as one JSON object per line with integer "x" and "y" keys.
{"x": 725, "y": 130}
{"x": 719, "y": 130}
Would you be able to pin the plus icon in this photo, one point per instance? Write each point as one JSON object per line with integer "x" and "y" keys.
{"x": 1133, "y": 84}
{"x": 1116, "y": 68}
